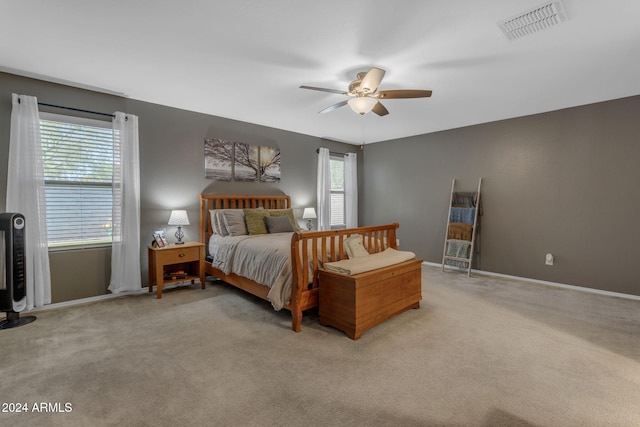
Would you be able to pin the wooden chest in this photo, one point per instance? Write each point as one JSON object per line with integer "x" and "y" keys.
{"x": 356, "y": 303}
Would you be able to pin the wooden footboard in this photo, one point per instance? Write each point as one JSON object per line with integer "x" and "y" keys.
{"x": 309, "y": 249}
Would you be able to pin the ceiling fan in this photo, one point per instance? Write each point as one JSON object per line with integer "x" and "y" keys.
{"x": 365, "y": 95}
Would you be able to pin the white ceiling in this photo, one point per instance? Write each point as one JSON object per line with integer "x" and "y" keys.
{"x": 245, "y": 59}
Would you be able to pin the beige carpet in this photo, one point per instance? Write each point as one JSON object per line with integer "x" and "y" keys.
{"x": 480, "y": 352}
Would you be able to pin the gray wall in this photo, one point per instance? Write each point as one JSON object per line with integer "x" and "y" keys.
{"x": 564, "y": 182}
{"x": 171, "y": 170}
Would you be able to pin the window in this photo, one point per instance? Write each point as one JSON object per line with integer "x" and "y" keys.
{"x": 78, "y": 156}
{"x": 338, "y": 215}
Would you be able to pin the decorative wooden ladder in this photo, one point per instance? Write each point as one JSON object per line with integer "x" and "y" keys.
{"x": 464, "y": 207}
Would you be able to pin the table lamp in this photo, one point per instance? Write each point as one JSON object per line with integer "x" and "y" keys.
{"x": 179, "y": 218}
{"x": 309, "y": 214}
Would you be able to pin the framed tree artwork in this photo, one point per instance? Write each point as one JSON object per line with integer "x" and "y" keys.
{"x": 227, "y": 160}
{"x": 218, "y": 159}
{"x": 269, "y": 164}
{"x": 246, "y": 165}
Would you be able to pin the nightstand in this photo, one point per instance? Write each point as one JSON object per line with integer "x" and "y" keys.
{"x": 188, "y": 257}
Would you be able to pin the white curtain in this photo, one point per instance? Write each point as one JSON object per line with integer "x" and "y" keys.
{"x": 125, "y": 253}
{"x": 324, "y": 190}
{"x": 351, "y": 189}
{"x": 26, "y": 195}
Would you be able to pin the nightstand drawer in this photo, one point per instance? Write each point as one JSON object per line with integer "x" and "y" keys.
{"x": 178, "y": 255}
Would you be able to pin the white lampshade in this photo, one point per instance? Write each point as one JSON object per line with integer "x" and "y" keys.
{"x": 179, "y": 217}
{"x": 309, "y": 213}
{"x": 362, "y": 104}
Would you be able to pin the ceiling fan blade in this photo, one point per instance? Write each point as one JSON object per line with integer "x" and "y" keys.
{"x": 380, "y": 109}
{"x": 321, "y": 89}
{"x": 334, "y": 106}
{"x": 371, "y": 80}
{"x": 398, "y": 94}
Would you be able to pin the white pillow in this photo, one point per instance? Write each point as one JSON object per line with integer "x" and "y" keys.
{"x": 216, "y": 227}
{"x": 354, "y": 247}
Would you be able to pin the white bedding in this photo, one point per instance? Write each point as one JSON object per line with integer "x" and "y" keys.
{"x": 263, "y": 258}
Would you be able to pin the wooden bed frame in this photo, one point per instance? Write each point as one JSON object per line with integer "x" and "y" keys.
{"x": 304, "y": 249}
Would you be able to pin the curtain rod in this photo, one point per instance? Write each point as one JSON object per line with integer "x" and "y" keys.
{"x": 331, "y": 152}
{"x": 76, "y": 109}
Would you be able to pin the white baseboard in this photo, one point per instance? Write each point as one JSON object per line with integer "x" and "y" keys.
{"x": 99, "y": 298}
{"x": 86, "y": 300}
{"x": 547, "y": 283}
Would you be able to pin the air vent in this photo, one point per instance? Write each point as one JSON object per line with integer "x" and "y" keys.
{"x": 534, "y": 20}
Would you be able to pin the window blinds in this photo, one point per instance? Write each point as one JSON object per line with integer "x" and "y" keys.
{"x": 336, "y": 168}
{"x": 78, "y": 159}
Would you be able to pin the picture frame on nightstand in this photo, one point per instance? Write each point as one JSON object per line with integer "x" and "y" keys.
{"x": 158, "y": 240}
{"x": 163, "y": 235}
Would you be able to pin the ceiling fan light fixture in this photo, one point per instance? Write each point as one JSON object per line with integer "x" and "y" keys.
{"x": 362, "y": 104}
{"x": 363, "y": 94}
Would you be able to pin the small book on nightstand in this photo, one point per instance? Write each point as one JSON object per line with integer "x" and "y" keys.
{"x": 175, "y": 275}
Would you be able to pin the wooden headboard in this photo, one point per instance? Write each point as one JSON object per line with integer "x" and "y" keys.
{"x": 235, "y": 201}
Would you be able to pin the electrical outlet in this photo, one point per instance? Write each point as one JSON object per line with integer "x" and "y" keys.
{"x": 398, "y": 242}
{"x": 548, "y": 260}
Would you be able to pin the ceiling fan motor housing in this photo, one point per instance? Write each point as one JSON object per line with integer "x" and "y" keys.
{"x": 354, "y": 87}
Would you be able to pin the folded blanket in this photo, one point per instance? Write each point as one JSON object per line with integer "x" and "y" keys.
{"x": 460, "y": 231}
{"x": 464, "y": 199}
{"x": 464, "y": 215}
{"x": 458, "y": 249}
{"x": 382, "y": 259}
{"x": 456, "y": 263}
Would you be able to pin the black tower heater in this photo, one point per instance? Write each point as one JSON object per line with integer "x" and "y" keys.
{"x": 13, "y": 290}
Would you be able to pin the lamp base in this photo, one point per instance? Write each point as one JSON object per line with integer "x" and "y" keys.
{"x": 179, "y": 236}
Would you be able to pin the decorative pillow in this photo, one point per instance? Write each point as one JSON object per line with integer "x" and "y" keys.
{"x": 214, "y": 225}
{"x": 278, "y": 224}
{"x": 234, "y": 221}
{"x": 288, "y": 213}
{"x": 354, "y": 247}
{"x": 217, "y": 222}
{"x": 255, "y": 220}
